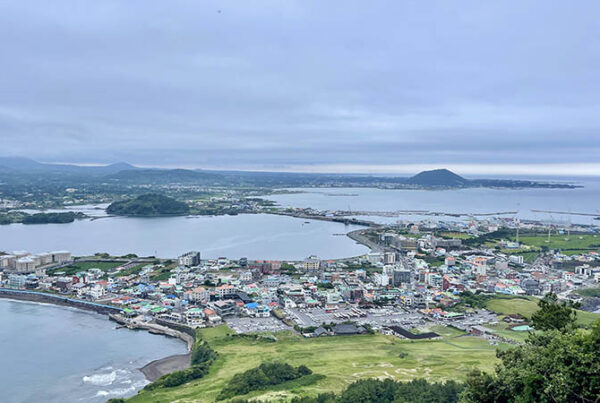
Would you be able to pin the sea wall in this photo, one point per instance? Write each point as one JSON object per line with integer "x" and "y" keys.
{"x": 34, "y": 296}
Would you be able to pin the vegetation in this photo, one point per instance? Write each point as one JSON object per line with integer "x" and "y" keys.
{"x": 77, "y": 267}
{"x": 554, "y": 314}
{"x": 132, "y": 270}
{"x": 338, "y": 360}
{"x": 554, "y": 366}
{"x": 589, "y": 292}
{"x": 202, "y": 358}
{"x": 384, "y": 391}
{"x": 527, "y": 306}
{"x": 40, "y": 218}
{"x": 475, "y": 301}
{"x": 266, "y": 374}
{"x": 148, "y": 205}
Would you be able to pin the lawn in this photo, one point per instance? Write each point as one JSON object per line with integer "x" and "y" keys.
{"x": 527, "y": 306}
{"x": 580, "y": 242}
{"x": 337, "y": 361}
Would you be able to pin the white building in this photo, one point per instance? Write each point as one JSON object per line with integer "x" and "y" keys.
{"x": 189, "y": 259}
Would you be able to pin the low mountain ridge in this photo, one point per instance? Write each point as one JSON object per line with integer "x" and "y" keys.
{"x": 163, "y": 176}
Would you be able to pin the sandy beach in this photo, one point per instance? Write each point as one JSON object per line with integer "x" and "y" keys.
{"x": 157, "y": 368}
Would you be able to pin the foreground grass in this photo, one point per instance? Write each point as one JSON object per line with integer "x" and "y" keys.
{"x": 335, "y": 362}
{"x": 526, "y": 306}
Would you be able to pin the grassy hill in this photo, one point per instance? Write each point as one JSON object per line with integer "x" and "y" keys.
{"x": 335, "y": 361}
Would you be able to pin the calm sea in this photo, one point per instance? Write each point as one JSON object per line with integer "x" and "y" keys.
{"x": 59, "y": 354}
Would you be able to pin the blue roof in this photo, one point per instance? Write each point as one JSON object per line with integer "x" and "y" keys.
{"x": 252, "y": 305}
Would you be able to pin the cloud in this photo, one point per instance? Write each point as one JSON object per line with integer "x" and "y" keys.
{"x": 297, "y": 84}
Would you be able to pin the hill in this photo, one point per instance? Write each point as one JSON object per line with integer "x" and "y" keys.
{"x": 438, "y": 177}
{"x": 148, "y": 205}
{"x": 28, "y": 165}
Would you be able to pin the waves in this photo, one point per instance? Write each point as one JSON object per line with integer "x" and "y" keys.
{"x": 108, "y": 382}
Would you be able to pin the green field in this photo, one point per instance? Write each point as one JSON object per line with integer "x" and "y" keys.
{"x": 502, "y": 330}
{"x": 527, "y": 306}
{"x": 335, "y": 362}
{"x": 558, "y": 241}
{"x": 85, "y": 266}
{"x": 589, "y": 292}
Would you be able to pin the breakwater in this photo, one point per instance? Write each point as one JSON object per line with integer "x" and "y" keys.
{"x": 35, "y": 296}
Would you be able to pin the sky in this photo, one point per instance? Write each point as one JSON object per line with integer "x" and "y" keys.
{"x": 319, "y": 86}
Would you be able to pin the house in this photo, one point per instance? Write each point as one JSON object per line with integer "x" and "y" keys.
{"x": 320, "y": 331}
{"x": 344, "y": 329}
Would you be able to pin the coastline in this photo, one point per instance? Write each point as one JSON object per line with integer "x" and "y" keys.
{"x": 157, "y": 368}
{"x": 152, "y": 370}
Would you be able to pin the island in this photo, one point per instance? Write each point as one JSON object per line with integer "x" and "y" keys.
{"x": 15, "y": 217}
{"x": 148, "y": 205}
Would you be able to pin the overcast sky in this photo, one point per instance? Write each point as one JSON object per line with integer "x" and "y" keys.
{"x": 355, "y": 86}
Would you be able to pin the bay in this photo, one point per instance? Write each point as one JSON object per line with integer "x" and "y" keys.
{"x": 256, "y": 236}
{"x": 58, "y": 354}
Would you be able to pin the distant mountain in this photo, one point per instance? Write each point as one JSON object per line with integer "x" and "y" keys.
{"x": 163, "y": 176}
{"x": 148, "y": 205}
{"x": 21, "y": 163}
{"x": 28, "y": 165}
{"x": 438, "y": 178}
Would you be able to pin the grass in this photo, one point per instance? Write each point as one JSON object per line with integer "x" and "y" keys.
{"x": 526, "y": 306}
{"x": 455, "y": 235}
{"x": 562, "y": 241}
{"x": 589, "y": 292}
{"x": 133, "y": 270}
{"x": 335, "y": 362}
{"x": 502, "y": 330}
{"x": 85, "y": 266}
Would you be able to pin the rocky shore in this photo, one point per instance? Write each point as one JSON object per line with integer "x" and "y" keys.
{"x": 163, "y": 366}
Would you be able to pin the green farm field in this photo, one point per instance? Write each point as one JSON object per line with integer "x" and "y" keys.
{"x": 335, "y": 362}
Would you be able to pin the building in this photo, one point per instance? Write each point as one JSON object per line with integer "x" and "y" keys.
{"x": 26, "y": 264}
{"x": 60, "y": 256}
{"x": 516, "y": 259}
{"x": 401, "y": 277}
{"x": 311, "y": 264}
{"x": 189, "y": 259}
{"x": 389, "y": 258}
{"x": 16, "y": 281}
{"x": 198, "y": 294}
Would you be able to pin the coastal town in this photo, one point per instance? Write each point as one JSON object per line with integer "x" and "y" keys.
{"x": 417, "y": 275}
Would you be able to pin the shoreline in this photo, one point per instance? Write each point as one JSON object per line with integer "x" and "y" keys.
{"x": 162, "y": 366}
{"x": 152, "y": 370}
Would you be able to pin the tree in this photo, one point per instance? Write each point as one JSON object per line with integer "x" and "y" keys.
{"x": 554, "y": 314}
{"x": 555, "y": 366}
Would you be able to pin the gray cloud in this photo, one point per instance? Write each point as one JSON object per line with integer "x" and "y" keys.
{"x": 281, "y": 84}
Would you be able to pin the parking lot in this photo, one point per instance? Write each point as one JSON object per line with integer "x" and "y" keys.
{"x": 374, "y": 317}
{"x": 253, "y": 325}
